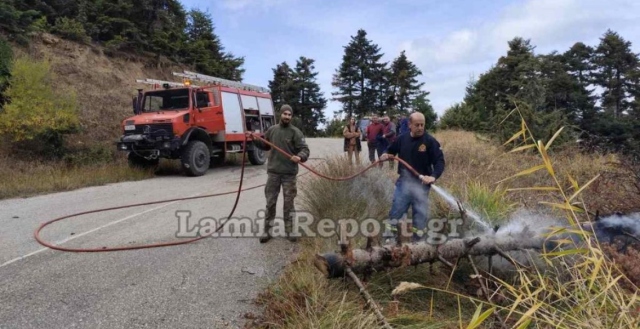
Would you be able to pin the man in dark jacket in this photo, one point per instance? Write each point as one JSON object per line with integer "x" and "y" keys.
{"x": 374, "y": 138}
{"x": 281, "y": 170}
{"x": 422, "y": 152}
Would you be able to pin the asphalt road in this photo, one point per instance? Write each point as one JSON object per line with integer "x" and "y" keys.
{"x": 206, "y": 284}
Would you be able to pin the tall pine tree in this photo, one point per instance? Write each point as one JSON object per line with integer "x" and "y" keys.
{"x": 282, "y": 87}
{"x": 360, "y": 79}
{"x": 519, "y": 79}
{"x": 205, "y": 51}
{"x": 311, "y": 102}
{"x": 404, "y": 82}
{"x": 298, "y": 87}
{"x": 578, "y": 64}
{"x": 614, "y": 63}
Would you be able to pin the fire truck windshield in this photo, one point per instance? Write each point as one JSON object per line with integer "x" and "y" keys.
{"x": 168, "y": 99}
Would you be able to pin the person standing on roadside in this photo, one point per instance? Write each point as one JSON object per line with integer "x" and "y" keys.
{"x": 352, "y": 146}
{"x": 374, "y": 138}
{"x": 423, "y": 153}
{"x": 281, "y": 170}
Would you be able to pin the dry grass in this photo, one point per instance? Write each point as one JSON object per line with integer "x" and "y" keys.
{"x": 23, "y": 179}
{"x": 576, "y": 290}
{"x": 303, "y": 298}
{"x": 473, "y": 162}
{"x": 104, "y": 85}
{"x": 627, "y": 263}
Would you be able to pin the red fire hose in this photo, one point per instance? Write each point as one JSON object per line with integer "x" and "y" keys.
{"x": 175, "y": 243}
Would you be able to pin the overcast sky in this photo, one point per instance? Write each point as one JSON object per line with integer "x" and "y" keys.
{"x": 450, "y": 41}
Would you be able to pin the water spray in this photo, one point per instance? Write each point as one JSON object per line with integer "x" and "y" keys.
{"x": 454, "y": 203}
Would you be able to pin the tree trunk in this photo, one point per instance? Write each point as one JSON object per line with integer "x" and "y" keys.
{"x": 378, "y": 258}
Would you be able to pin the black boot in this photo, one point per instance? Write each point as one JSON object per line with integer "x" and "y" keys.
{"x": 267, "y": 235}
{"x": 292, "y": 238}
{"x": 265, "y": 238}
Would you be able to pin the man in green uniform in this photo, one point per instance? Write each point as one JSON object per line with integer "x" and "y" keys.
{"x": 282, "y": 170}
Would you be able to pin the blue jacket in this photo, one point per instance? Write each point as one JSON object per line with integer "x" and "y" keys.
{"x": 422, "y": 153}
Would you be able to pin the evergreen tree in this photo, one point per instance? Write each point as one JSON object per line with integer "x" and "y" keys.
{"x": 381, "y": 90}
{"x": 614, "y": 64}
{"x": 475, "y": 109}
{"x": 205, "y": 51}
{"x": 311, "y": 103}
{"x": 16, "y": 18}
{"x": 557, "y": 89}
{"x": 160, "y": 27}
{"x": 344, "y": 80}
{"x": 360, "y": 77}
{"x": 282, "y": 87}
{"x": 577, "y": 61}
{"x": 298, "y": 87}
{"x": 404, "y": 81}
{"x": 634, "y": 111}
{"x": 536, "y": 85}
{"x": 561, "y": 87}
{"x": 165, "y": 26}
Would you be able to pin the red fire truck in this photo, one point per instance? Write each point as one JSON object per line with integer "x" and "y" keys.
{"x": 197, "y": 124}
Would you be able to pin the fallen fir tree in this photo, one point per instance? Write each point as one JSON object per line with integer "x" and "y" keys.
{"x": 376, "y": 258}
{"x": 501, "y": 242}
{"x": 350, "y": 262}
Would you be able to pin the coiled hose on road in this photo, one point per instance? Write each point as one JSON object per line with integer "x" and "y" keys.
{"x": 238, "y": 192}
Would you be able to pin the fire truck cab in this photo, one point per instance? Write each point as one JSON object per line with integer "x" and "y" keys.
{"x": 197, "y": 124}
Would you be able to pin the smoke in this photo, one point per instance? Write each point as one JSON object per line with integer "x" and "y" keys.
{"x": 629, "y": 223}
{"x": 522, "y": 224}
{"x": 618, "y": 228}
{"x": 523, "y": 220}
{"x": 624, "y": 229}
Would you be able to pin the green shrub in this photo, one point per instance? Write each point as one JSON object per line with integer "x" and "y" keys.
{"x": 35, "y": 111}
{"x": 70, "y": 29}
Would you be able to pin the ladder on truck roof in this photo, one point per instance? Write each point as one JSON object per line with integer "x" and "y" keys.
{"x": 160, "y": 83}
{"x": 220, "y": 81}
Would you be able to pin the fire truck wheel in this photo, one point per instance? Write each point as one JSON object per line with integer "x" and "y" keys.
{"x": 196, "y": 158}
{"x": 257, "y": 157}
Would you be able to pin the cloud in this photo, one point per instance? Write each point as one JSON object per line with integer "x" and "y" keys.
{"x": 448, "y": 41}
{"x": 550, "y": 25}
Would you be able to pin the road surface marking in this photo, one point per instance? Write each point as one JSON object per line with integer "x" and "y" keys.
{"x": 87, "y": 232}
